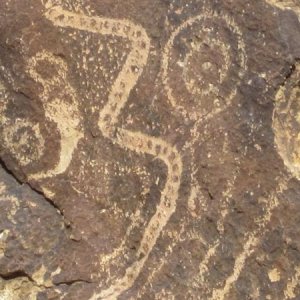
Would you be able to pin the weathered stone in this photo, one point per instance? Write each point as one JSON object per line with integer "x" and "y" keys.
{"x": 149, "y": 149}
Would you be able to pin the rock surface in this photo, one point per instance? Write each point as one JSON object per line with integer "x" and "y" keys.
{"x": 149, "y": 149}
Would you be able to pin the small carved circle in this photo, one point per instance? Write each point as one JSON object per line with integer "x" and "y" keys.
{"x": 24, "y": 140}
{"x": 205, "y": 67}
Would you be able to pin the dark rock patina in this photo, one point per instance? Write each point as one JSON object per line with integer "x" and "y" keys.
{"x": 150, "y": 149}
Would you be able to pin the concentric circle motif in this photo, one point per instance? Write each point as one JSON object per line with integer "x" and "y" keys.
{"x": 24, "y": 140}
{"x": 203, "y": 62}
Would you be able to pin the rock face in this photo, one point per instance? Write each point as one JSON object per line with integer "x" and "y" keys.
{"x": 150, "y": 149}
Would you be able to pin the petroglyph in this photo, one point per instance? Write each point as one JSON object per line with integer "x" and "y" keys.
{"x": 134, "y": 141}
{"x": 19, "y": 138}
{"x": 212, "y": 54}
{"x": 226, "y": 197}
{"x": 211, "y": 252}
{"x": 252, "y": 241}
{"x": 106, "y": 259}
{"x": 177, "y": 237}
{"x": 169, "y": 180}
{"x": 3, "y": 237}
{"x": 13, "y": 207}
{"x": 59, "y": 108}
{"x": 293, "y": 283}
{"x": 286, "y": 4}
{"x": 286, "y": 122}
{"x": 193, "y": 198}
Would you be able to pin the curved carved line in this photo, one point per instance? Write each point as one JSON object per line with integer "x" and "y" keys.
{"x": 66, "y": 117}
{"x": 134, "y": 141}
{"x": 168, "y": 46}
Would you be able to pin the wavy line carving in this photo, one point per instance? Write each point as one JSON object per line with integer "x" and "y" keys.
{"x": 129, "y": 140}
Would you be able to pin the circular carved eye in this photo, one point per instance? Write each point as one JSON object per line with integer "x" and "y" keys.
{"x": 205, "y": 67}
{"x": 203, "y": 62}
{"x": 24, "y": 140}
{"x": 286, "y": 123}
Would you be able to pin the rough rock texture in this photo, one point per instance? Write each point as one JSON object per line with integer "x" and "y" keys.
{"x": 150, "y": 149}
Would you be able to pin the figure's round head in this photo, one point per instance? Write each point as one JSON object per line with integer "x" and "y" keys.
{"x": 203, "y": 63}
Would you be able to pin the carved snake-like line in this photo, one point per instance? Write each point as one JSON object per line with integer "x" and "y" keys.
{"x": 134, "y": 141}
